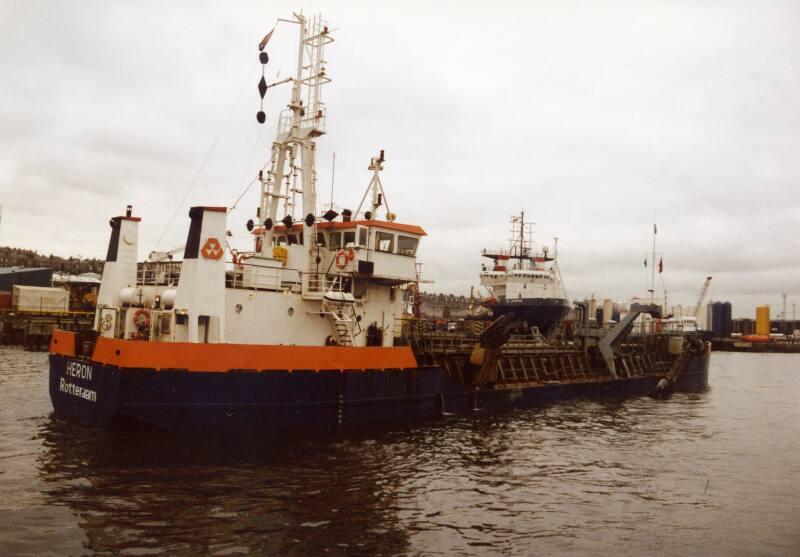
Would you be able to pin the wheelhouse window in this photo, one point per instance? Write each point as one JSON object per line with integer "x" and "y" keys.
{"x": 336, "y": 240}
{"x": 349, "y": 238}
{"x": 293, "y": 239}
{"x": 406, "y": 245}
{"x": 280, "y": 240}
{"x": 384, "y": 242}
{"x": 321, "y": 239}
{"x": 362, "y": 236}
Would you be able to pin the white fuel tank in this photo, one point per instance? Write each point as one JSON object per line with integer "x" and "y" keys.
{"x": 168, "y": 298}
{"x": 127, "y": 296}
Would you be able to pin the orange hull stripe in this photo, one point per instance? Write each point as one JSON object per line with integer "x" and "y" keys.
{"x": 224, "y": 357}
{"x": 63, "y": 343}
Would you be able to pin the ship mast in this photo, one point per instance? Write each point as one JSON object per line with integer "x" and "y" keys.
{"x": 521, "y": 243}
{"x": 298, "y": 126}
{"x": 653, "y": 270}
{"x": 376, "y": 188}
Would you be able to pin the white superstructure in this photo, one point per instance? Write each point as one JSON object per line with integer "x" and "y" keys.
{"x": 311, "y": 279}
{"x": 520, "y": 273}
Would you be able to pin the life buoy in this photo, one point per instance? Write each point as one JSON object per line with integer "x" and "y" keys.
{"x": 342, "y": 259}
{"x": 141, "y": 318}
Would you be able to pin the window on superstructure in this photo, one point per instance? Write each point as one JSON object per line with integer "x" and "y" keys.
{"x": 321, "y": 239}
{"x": 336, "y": 240}
{"x": 384, "y": 242}
{"x": 349, "y": 238}
{"x": 292, "y": 239}
{"x": 362, "y": 236}
{"x": 406, "y": 245}
{"x": 280, "y": 240}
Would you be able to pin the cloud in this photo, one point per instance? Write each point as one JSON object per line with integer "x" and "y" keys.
{"x": 596, "y": 119}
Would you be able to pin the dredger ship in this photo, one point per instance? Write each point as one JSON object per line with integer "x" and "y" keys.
{"x": 301, "y": 332}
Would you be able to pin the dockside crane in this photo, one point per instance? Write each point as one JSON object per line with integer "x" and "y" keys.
{"x": 702, "y": 296}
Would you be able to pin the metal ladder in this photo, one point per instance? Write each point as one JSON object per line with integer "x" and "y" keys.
{"x": 344, "y": 330}
{"x": 343, "y": 324}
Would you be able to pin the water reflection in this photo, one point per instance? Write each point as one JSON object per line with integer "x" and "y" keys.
{"x": 222, "y": 494}
{"x": 580, "y": 478}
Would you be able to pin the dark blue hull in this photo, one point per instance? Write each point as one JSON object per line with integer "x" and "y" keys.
{"x": 544, "y": 313}
{"x": 100, "y": 395}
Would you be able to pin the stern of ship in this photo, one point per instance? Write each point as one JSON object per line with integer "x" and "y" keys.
{"x": 81, "y": 390}
{"x": 544, "y": 313}
{"x": 695, "y": 375}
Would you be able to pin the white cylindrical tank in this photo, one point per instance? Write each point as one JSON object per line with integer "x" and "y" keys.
{"x": 592, "y": 308}
{"x": 168, "y": 298}
{"x": 608, "y": 310}
{"x": 127, "y": 296}
{"x": 130, "y": 296}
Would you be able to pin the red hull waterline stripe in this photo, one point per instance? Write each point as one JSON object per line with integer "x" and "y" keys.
{"x": 224, "y": 357}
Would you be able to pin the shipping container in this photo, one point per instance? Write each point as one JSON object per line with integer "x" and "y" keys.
{"x": 5, "y": 300}
{"x": 38, "y": 298}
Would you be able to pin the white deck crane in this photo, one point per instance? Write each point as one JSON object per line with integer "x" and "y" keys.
{"x": 702, "y": 296}
{"x": 163, "y": 256}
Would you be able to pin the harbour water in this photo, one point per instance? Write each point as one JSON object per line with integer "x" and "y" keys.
{"x": 712, "y": 473}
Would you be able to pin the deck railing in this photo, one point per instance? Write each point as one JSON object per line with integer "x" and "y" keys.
{"x": 256, "y": 277}
{"x": 162, "y": 273}
{"x": 322, "y": 282}
{"x": 313, "y": 118}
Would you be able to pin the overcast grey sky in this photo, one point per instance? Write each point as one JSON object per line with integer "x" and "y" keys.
{"x": 596, "y": 118}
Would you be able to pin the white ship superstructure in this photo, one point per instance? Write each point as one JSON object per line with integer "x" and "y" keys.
{"x": 311, "y": 279}
{"x": 525, "y": 282}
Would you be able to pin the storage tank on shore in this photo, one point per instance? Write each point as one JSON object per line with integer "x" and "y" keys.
{"x": 592, "y": 308}
{"x": 716, "y": 319}
{"x": 608, "y": 311}
{"x": 762, "y": 320}
{"x": 727, "y": 318}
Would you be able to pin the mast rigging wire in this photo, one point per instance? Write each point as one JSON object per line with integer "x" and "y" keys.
{"x": 208, "y": 156}
{"x": 250, "y": 160}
